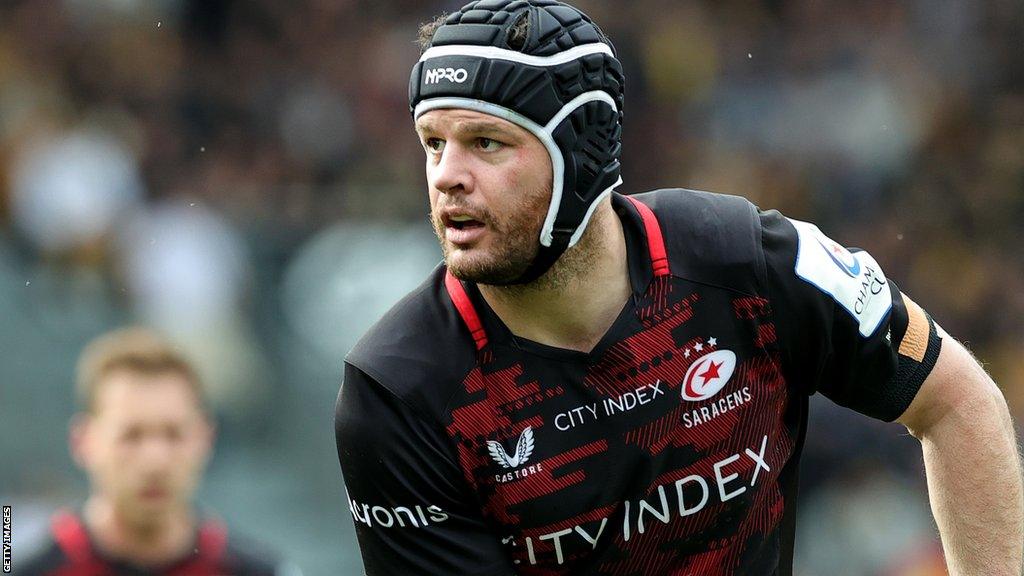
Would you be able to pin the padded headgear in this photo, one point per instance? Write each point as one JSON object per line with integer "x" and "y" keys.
{"x": 564, "y": 85}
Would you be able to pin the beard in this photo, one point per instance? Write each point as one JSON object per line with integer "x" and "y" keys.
{"x": 514, "y": 241}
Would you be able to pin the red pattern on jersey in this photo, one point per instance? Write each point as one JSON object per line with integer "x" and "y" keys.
{"x": 618, "y": 480}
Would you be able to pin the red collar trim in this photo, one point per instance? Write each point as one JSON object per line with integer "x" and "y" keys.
{"x": 655, "y": 245}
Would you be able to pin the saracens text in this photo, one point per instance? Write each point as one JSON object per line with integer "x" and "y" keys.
{"x": 716, "y": 408}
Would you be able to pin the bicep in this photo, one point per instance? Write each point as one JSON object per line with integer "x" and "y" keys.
{"x": 957, "y": 383}
{"x": 413, "y": 512}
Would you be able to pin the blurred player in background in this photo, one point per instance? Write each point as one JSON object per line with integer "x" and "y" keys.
{"x": 601, "y": 384}
{"x": 143, "y": 436}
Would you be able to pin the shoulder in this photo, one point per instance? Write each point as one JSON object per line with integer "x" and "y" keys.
{"x": 710, "y": 238}
{"x": 418, "y": 345}
{"x": 42, "y": 555}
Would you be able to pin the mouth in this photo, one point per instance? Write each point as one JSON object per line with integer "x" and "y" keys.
{"x": 461, "y": 222}
{"x": 150, "y": 493}
{"x": 461, "y": 228}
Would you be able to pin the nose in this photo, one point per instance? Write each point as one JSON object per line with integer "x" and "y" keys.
{"x": 157, "y": 453}
{"x": 451, "y": 173}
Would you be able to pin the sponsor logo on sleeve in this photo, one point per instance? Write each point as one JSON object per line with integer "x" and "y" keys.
{"x": 843, "y": 258}
{"x": 854, "y": 281}
{"x": 388, "y": 516}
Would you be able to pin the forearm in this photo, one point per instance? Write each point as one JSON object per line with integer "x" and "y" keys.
{"x": 974, "y": 484}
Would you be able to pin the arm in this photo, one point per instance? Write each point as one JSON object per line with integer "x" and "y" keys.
{"x": 906, "y": 366}
{"x": 972, "y": 462}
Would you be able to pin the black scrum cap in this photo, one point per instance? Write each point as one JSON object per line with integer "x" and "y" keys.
{"x": 564, "y": 85}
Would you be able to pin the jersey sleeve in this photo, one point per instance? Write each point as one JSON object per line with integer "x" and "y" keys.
{"x": 413, "y": 512}
{"x": 844, "y": 329}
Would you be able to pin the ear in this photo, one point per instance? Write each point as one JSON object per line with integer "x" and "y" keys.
{"x": 78, "y": 439}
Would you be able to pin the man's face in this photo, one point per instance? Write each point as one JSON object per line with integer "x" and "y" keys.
{"x": 490, "y": 187}
{"x": 145, "y": 444}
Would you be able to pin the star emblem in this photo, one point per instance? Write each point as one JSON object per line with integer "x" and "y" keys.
{"x": 712, "y": 341}
{"x": 698, "y": 346}
{"x": 712, "y": 372}
{"x": 687, "y": 353}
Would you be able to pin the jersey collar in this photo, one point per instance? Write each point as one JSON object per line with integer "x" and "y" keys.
{"x": 645, "y": 259}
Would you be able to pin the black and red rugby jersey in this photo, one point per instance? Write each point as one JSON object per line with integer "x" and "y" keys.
{"x": 670, "y": 449}
{"x": 70, "y": 551}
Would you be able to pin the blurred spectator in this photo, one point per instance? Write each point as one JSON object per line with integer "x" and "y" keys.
{"x": 143, "y": 437}
{"x": 188, "y": 272}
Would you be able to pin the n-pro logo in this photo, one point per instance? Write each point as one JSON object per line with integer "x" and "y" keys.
{"x": 453, "y": 75}
{"x": 708, "y": 375}
{"x": 843, "y": 258}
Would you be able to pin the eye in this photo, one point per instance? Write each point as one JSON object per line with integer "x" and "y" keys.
{"x": 433, "y": 144}
{"x": 488, "y": 145}
{"x": 173, "y": 434}
{"x": 131, "y": 435}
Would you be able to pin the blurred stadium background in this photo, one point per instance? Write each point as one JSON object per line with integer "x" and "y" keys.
{"x": 244, "y": 176}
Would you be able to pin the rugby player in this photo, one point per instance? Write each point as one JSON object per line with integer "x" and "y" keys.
{"x": 594, "y": 383}
{"x": 143, "y": 437}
